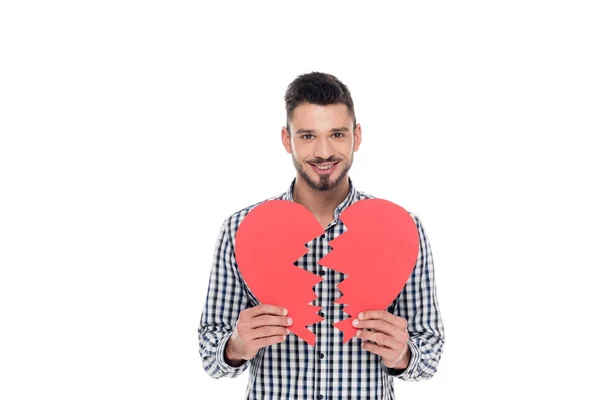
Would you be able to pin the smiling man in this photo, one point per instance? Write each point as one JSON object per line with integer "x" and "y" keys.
{"x": 405, "y": 341}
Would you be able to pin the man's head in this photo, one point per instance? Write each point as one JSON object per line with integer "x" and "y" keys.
{"x": 321, "y": 129}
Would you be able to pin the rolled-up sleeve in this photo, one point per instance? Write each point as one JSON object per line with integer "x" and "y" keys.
{"x": 418, "y": 304}
{"x": 225, "y": 299}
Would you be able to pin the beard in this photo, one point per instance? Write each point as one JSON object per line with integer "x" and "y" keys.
{"x": 323, "y": 182}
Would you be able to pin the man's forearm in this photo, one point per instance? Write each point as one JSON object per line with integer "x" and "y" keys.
{"x": 230, "y": 357}
{"x": 402, "y": 364}
{"x": 404, "y": 361}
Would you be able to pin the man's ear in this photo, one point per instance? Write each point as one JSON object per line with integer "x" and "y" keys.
{"x": 357, "y": 137}
{"x": 286, "y": 139}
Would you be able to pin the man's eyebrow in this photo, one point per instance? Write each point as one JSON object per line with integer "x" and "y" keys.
{"x": 304, "y": 131}
{"x": 312, "y": 131}
{"x": 342, "y": 129}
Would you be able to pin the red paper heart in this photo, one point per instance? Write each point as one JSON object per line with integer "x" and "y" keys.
{"x": 269, "y": 240}
{"x": 378, "y": 252}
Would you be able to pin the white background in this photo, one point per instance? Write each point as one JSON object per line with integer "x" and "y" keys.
{"x": 131, "y": 129}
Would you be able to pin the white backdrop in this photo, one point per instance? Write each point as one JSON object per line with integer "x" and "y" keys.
{"x": 131, "y": 129}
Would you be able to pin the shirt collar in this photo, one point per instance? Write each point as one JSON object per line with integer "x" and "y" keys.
{"x": 350, "y": 199}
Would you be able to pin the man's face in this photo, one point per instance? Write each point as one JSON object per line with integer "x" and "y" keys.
{"x": 322, "y": 143}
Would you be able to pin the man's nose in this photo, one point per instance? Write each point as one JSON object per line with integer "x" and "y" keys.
{"x": 323, "y": 148}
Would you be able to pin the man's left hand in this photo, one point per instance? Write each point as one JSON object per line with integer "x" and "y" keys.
{"x": 387, "y": 335}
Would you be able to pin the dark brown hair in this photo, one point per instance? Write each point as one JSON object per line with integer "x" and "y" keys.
{"x": 317, "y": 88}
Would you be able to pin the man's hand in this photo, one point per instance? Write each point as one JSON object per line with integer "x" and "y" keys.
{"x": 256, "y": 328}
{"x": 389, "y": 335}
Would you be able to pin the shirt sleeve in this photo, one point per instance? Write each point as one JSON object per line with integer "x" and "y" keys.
{"x": 418, "y": 304}
{"x": 225, "y": 299}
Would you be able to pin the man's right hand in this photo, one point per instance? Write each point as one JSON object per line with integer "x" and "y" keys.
{"x": 257, "y": 327}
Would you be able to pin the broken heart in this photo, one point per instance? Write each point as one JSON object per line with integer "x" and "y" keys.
{"x": 377, "y": 252}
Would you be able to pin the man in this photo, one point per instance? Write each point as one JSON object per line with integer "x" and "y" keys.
{"x": 235, "y": 333}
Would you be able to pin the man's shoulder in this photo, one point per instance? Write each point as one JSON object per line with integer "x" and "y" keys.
{"x": 360, "y": 195}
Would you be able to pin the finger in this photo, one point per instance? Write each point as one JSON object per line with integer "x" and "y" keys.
{"x": 378, "y": 325}
{"x": 384, "y": 315}
{"x": 384, "y": 352}
{"x": 380, "y": 338}
{"x": 268, "y": 341}
{"x": 267, "y": 320}
{"x": 266, "y": 309}
{"x": 267, "y": 331}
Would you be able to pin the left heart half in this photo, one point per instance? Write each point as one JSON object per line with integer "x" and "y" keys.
{"x": 270, "y": 239}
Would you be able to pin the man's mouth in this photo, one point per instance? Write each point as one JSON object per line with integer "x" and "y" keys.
{"x": 324, "y": 168}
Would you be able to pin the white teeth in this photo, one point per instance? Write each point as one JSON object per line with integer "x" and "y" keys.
{"x": 325, "y": 168}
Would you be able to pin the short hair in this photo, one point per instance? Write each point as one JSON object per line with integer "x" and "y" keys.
{"x": 317, "y": 88}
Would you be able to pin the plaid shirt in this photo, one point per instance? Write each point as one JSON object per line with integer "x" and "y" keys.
{"x": 331, "y": 370}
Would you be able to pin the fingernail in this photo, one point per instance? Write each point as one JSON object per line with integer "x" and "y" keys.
{"x": 358, "y": 333}
{"x": 288, "y": 331}
{"x": 355, "y": 322}
{"x": 289, "y": 321}
{"x": 361, "y": 315}
{"x": 285, "y": 311}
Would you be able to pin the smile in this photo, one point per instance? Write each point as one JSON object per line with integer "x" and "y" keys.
{"x": 324, "y": 168}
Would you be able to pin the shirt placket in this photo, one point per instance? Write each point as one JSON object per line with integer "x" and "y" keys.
{"x": 321, "y": 349}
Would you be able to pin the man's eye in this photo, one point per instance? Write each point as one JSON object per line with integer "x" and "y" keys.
{"x": 305, "y": 135}
{"x": 341, "y": 135}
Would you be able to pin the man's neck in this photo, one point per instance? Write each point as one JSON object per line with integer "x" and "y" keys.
{"x": 321, "y": 204}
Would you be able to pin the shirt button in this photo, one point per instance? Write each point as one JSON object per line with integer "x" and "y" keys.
{"x": 321, "y": 314}
{"x": 321, "y": 356}
{"x": 320, "y": 397}
{"x": 322, "y": 272}
{"x": 323, "y": 236}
